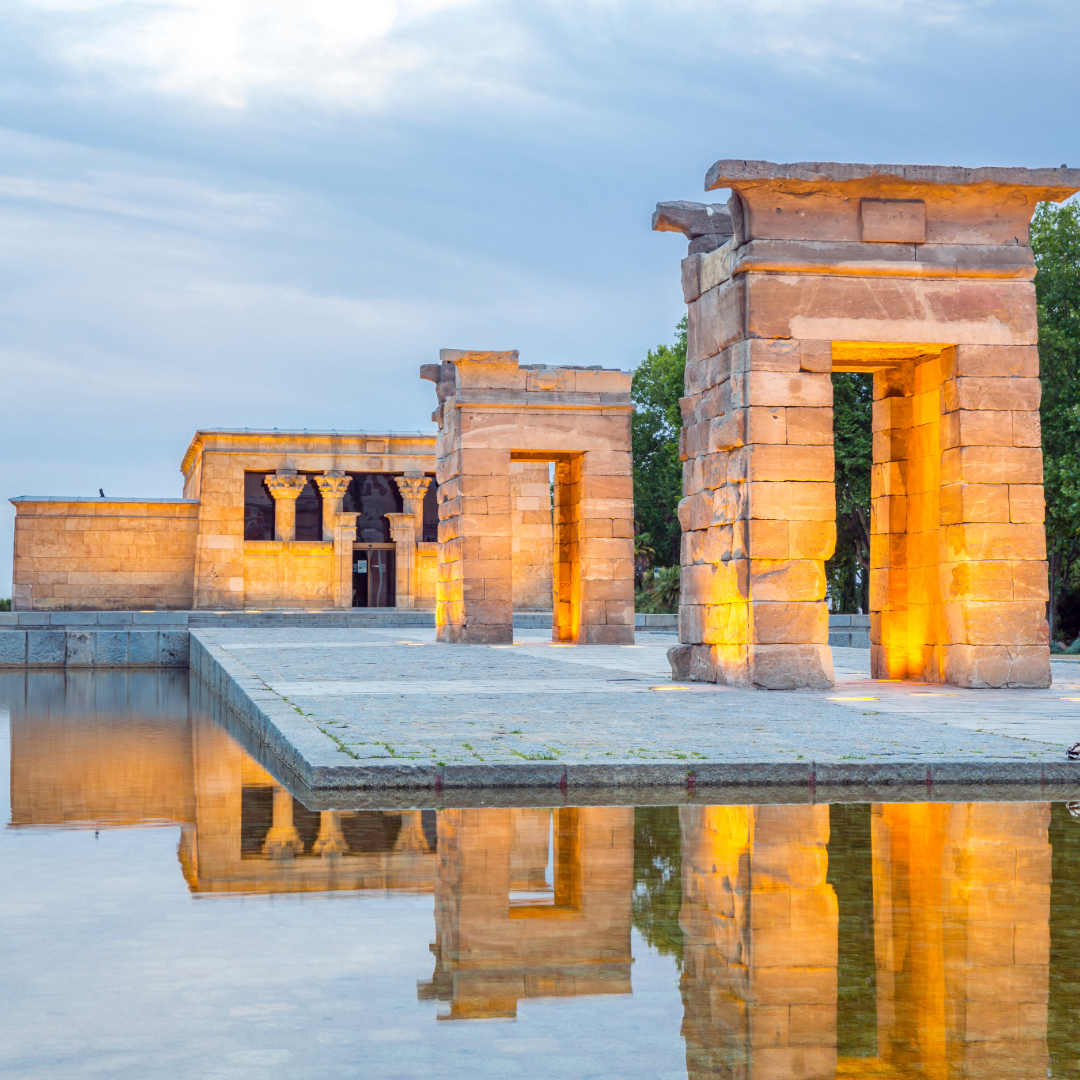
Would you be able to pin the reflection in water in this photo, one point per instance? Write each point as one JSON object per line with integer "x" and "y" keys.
{"x": 887, "y": 940}
{"x": 571, "y": 938}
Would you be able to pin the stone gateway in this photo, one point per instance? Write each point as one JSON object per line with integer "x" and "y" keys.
{"x": 922, "y": 275}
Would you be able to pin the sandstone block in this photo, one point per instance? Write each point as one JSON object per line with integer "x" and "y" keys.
{"x": 786, "y": 622}
{"x": 774, "y": 462}
{"x": 810, "y": 426}
{"x": 791, "y": 667}
{"x": 1026, "y": 429}
{"x": 679, "y": 658}
{"x": 765, "y": 425}
{"x": 1030, "y": 581}
{"x": 1026, "y": 503}
{"x": 787, "y": 580}
{"x": 728, "y": 624}
{"x": 1005, "y": 623}
{"x": 757, "y": 354}
{"x": 727, "y": 432}
{"x": 888, "y": 514}
{"x": 838, "y": 308}
{"x": 777, "y": 388}
{"x": 991, "y": 465}
{"x": 769, "y": 539}
{"x": 974, "y": 502}
{"x": 1002, "y": 394}
{"x": 971, "y": 427}
{"x": 891, "y": 412}
{"x": 1001, "y": 361}
{"x": 484, "y": 462}
{"x": 794, "y": 500}
{"x": 816, "y": 356}
{"x": 605, "y": 634}
{"x": 811, "y": 539}
{"x": 691, "y": 277}
{"x": 693, "y": 618}
{"x": 988, "y": 580}
{"x": 703, "y": 326}
{"x": 995, "y": 541}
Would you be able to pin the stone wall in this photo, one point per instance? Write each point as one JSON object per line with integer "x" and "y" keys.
{"x": 289, "y": 573}
{"x": 104, "y": 554}
{"x": 531, "y": 535}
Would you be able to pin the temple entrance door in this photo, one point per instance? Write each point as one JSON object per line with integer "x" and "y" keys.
{"x": 374, "y": 574}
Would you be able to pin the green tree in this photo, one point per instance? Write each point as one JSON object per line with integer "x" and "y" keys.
{"x": 1055, "y": 239}
{"x": 848, "y": 571}
{"x": 657, "y": 387}
{"x": 657, "y": 900}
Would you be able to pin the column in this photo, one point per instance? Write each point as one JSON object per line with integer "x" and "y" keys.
{"x": 331, "y": 840}
{"x": 413, "y": 487}
{"x": 993, "y": 568}
{"x": 474, "y": 602}
{"x": 332, "y": 486}
{"x": 282, "y": 841}
{"x": 344, "y": 535}
{"x": 759, "y": 506}
{"x": 285, "y": 486}
{"x": 760, "y": 926}
{"x": 605, "y": 523}
{"x": 403, "y": 533}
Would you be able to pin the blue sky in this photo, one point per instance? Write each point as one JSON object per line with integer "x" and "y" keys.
{"x": 233, "y": 213}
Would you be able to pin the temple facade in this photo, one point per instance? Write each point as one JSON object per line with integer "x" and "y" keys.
{"x": 270, "y": 520}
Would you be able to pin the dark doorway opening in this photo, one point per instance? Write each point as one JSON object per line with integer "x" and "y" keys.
{"x": 374, "y": 574}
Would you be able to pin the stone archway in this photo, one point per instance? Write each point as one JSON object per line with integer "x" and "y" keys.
{"x": 923, "y": 275}
{"x": 492, "y": 412}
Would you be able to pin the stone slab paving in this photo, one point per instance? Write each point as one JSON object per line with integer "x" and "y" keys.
{"x": 394, "y": 697}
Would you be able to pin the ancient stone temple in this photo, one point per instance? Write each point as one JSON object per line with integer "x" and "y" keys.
{"x": 922, "y": 275}
{"x": 494, "y": 414}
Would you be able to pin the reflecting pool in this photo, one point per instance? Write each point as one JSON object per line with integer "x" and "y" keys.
{"x": 170, "y": 909}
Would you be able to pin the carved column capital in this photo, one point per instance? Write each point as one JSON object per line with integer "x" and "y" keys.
{"x": 286, "y": 485}
{"x": 333, "y": 485}
{"x": 412, "y": 486}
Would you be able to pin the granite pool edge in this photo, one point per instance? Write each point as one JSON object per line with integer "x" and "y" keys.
{"x": 311, "y": 755}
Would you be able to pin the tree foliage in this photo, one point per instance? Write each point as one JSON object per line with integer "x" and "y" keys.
{"x": 657, "y": 387}
{"x": 657, "y": 900}
{"x": 1055, "y": 239}
{"x": 848, "y": 571}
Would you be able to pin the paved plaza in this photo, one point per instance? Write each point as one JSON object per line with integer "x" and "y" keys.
{"x": 393, "y": 697}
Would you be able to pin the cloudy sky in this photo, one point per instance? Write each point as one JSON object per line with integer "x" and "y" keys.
{"x": 234, "y": 213}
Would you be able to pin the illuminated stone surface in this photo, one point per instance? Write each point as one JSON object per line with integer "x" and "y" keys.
{"x": 923, "y": 276}
{"x": 493, "y": 412}
{"x": 385, "y": 708}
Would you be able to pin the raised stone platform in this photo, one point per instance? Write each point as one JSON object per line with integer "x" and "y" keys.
{"x": 383, "y": 709}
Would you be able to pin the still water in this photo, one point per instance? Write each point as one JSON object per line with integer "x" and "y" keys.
{"x": 167, "y": 909}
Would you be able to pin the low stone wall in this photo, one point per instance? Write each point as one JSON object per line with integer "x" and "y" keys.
{"x": 94, "y": 647}
{"x": 850, "y": 631}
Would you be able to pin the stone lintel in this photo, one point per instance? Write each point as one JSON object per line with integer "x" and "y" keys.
{"x": 1058, "y": 183}
{"x": 886, "y": 204}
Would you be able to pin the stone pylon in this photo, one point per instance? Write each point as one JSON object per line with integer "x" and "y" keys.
{"x": 921, "y": 275}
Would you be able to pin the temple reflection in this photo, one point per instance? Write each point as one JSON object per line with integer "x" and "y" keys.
{"x": 531, "y": 903}
{"x": 904, "y": 940}
{"x": 248, "y": 834}
{"x": 960, "y": 911}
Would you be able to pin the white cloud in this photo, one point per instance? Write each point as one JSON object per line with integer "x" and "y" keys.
{"x": 369, "y": 54}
